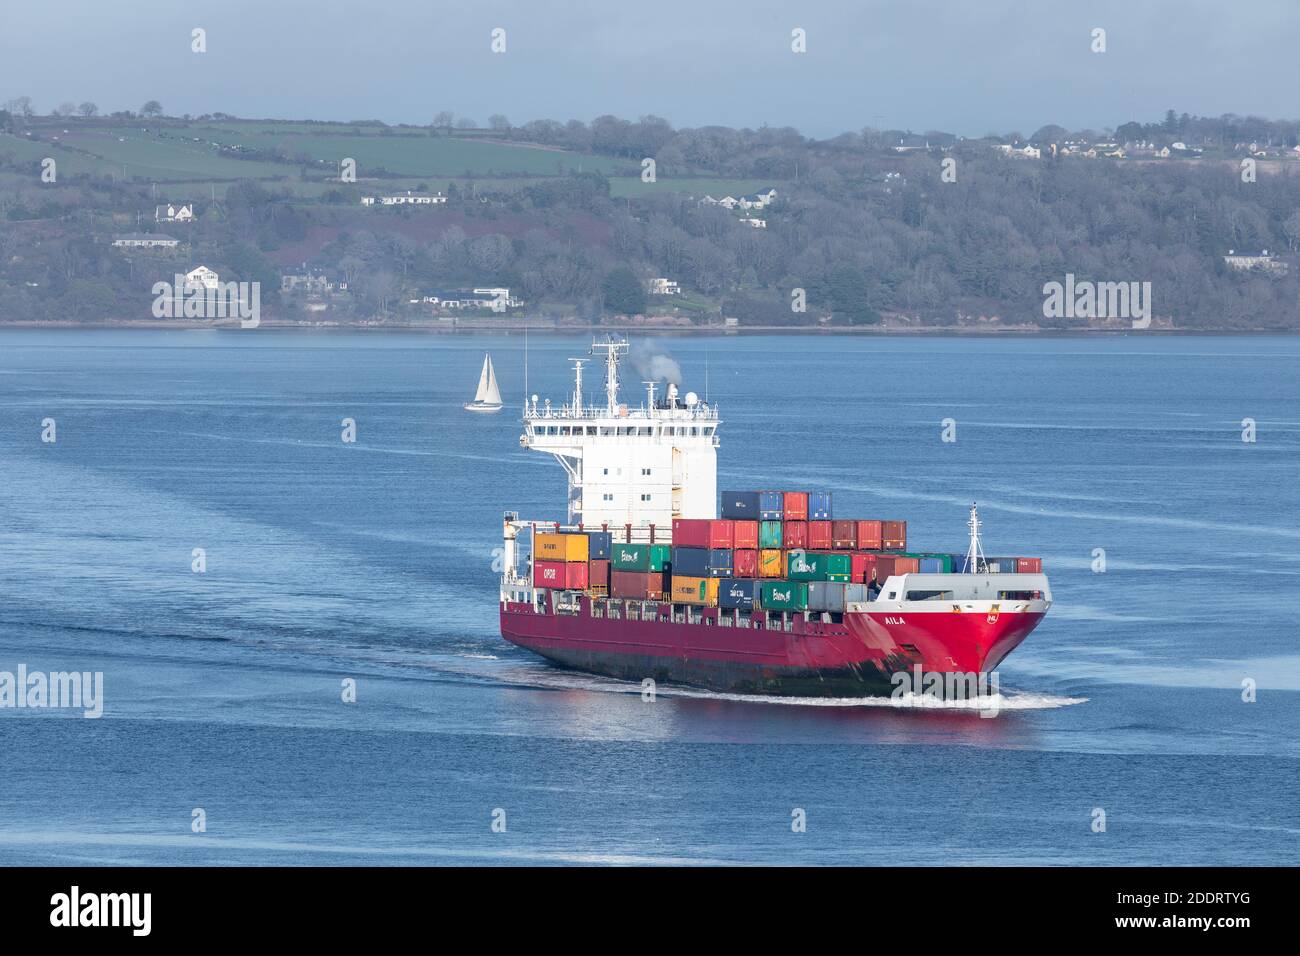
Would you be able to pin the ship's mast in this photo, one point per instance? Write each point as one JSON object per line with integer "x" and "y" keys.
{"x": 975, "y": 562}
{"x": 613, "y": 350}
{"x": 577, "y": 386}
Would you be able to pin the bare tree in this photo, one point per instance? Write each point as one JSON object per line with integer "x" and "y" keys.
{"x": 88, "y": 109}
{"x": 151, "y": 108}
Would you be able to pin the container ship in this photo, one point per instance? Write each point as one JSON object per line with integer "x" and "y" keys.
{"x": 653, "y": 574}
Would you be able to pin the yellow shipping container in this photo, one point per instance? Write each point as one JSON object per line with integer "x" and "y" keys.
{"x": 559, "y": 547}
{"x": 702, "y": 591}
{"x": 771, "y": 563}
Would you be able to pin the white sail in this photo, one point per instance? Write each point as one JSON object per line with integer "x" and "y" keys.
{"x": 492, "y": 396}
{"x": 483, "y": 379}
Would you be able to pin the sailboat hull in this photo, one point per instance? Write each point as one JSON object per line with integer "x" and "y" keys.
{"x": 481, "y": 407}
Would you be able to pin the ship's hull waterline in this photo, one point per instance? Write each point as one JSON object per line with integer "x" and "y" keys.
{"x": 856, "y": 657}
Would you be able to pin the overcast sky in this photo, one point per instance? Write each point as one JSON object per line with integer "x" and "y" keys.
{"x": 969, "y": 67}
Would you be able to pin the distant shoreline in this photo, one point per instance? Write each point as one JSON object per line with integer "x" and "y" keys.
{"x": 552, "y": 328}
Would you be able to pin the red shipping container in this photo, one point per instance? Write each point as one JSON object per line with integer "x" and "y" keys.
{"x": 862, "y": 567}
{"x": 884, "y": 566}
{"x": 744, "y": 563}
{"x": 893, "y": 535}
{"x": 598, "y": 574}
{"x": 844, "y": 535}
{"x": 702, "y": 532}
{"x": 1029, "y": 565}
{"x": 869, "y": 535}
{"x": 794, "y": 534}
{"x": 569, "y": 575}
{"x": 642, "y": 585}
{"x": 796, "y": 506}
{"x": 906, "y": 565}
{"x": 744, "y": 534}
{"x": 819, "y": 535}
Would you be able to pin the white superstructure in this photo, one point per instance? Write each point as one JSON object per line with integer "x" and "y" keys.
{"x": 630, "y": 465}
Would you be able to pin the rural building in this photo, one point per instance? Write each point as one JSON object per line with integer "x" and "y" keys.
{"x": 665, "y": 287}
{"x": 495, "y": 299}
{"x": 201, "y": 277}
{"x": 1251, "y": 263}
{"x": 145, "y": 240}
{"x": 174, "y": 212}
{"x": 311, "y": 282}
{"x": 755, "y": 223}
{"x": 410, "y": 199}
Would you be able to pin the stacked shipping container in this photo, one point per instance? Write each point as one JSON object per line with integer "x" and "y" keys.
{"x": 772, "y": 550}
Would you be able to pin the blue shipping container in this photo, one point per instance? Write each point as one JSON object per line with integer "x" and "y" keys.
{"x": 739, "y": 593}
{"x": 702, "y": 562}
{"x": 931, "y": 566}
{"x": 740, "y": 504}
{"x": 819, "y": 506}
{"x": 771, "y": 505}
{"x": 599, "y": 544}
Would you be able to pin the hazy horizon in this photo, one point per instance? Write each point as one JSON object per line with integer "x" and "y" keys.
{"x": 1000, "y": 66}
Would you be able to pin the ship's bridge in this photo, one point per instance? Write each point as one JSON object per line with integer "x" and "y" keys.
{"x": 637, "y": 466}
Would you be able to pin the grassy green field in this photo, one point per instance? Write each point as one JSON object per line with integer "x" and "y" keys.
{"x": 179, "y": 153}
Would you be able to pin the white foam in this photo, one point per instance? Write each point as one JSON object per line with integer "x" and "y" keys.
{"x": 1018, "y": 701}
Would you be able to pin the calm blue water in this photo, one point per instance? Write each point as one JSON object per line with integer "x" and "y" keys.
{"x": 373, "y": 561}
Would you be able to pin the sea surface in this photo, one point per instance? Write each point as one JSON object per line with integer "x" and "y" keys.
{"x": 371, "y": 562}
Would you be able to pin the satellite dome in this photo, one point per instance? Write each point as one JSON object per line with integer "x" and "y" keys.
{"x": 691, "y": 399}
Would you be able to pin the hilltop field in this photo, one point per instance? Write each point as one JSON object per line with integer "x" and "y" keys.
{"x": 620, "y": 222}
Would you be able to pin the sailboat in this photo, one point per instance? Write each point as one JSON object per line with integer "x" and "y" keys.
{"x": 488, "y": 396}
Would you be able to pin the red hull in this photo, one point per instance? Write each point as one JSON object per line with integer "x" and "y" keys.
{"x": 853, "y": 658}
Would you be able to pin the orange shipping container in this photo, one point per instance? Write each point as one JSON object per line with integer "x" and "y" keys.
{"x": 559, "y": 547}
{"x": 744, "y": 534}
{"x": 699, "y": 591}
{"x": 771, "y": 563}
{"x": 869, "y": 537}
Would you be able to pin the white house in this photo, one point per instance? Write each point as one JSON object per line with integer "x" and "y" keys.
{"x": 758, "y": 200}
{"x": 756, "y": 223}
{"x": 145, "y": 240}
{"x": 496, "y": 299}
{"x": 201, "y": 278}
{"x": 665, "y": 287}
{"x": 410, "y": 199}
{"x": 174, "y": 212}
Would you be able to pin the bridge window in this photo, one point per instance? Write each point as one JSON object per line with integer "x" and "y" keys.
{"x": 645, "y": 497}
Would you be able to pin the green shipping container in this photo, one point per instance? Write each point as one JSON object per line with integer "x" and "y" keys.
{"x": 820, "y": 566}
{"x": 769, "y": 534}
{"x": 639, "y": 557}
{"x": 784, "y": 596}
